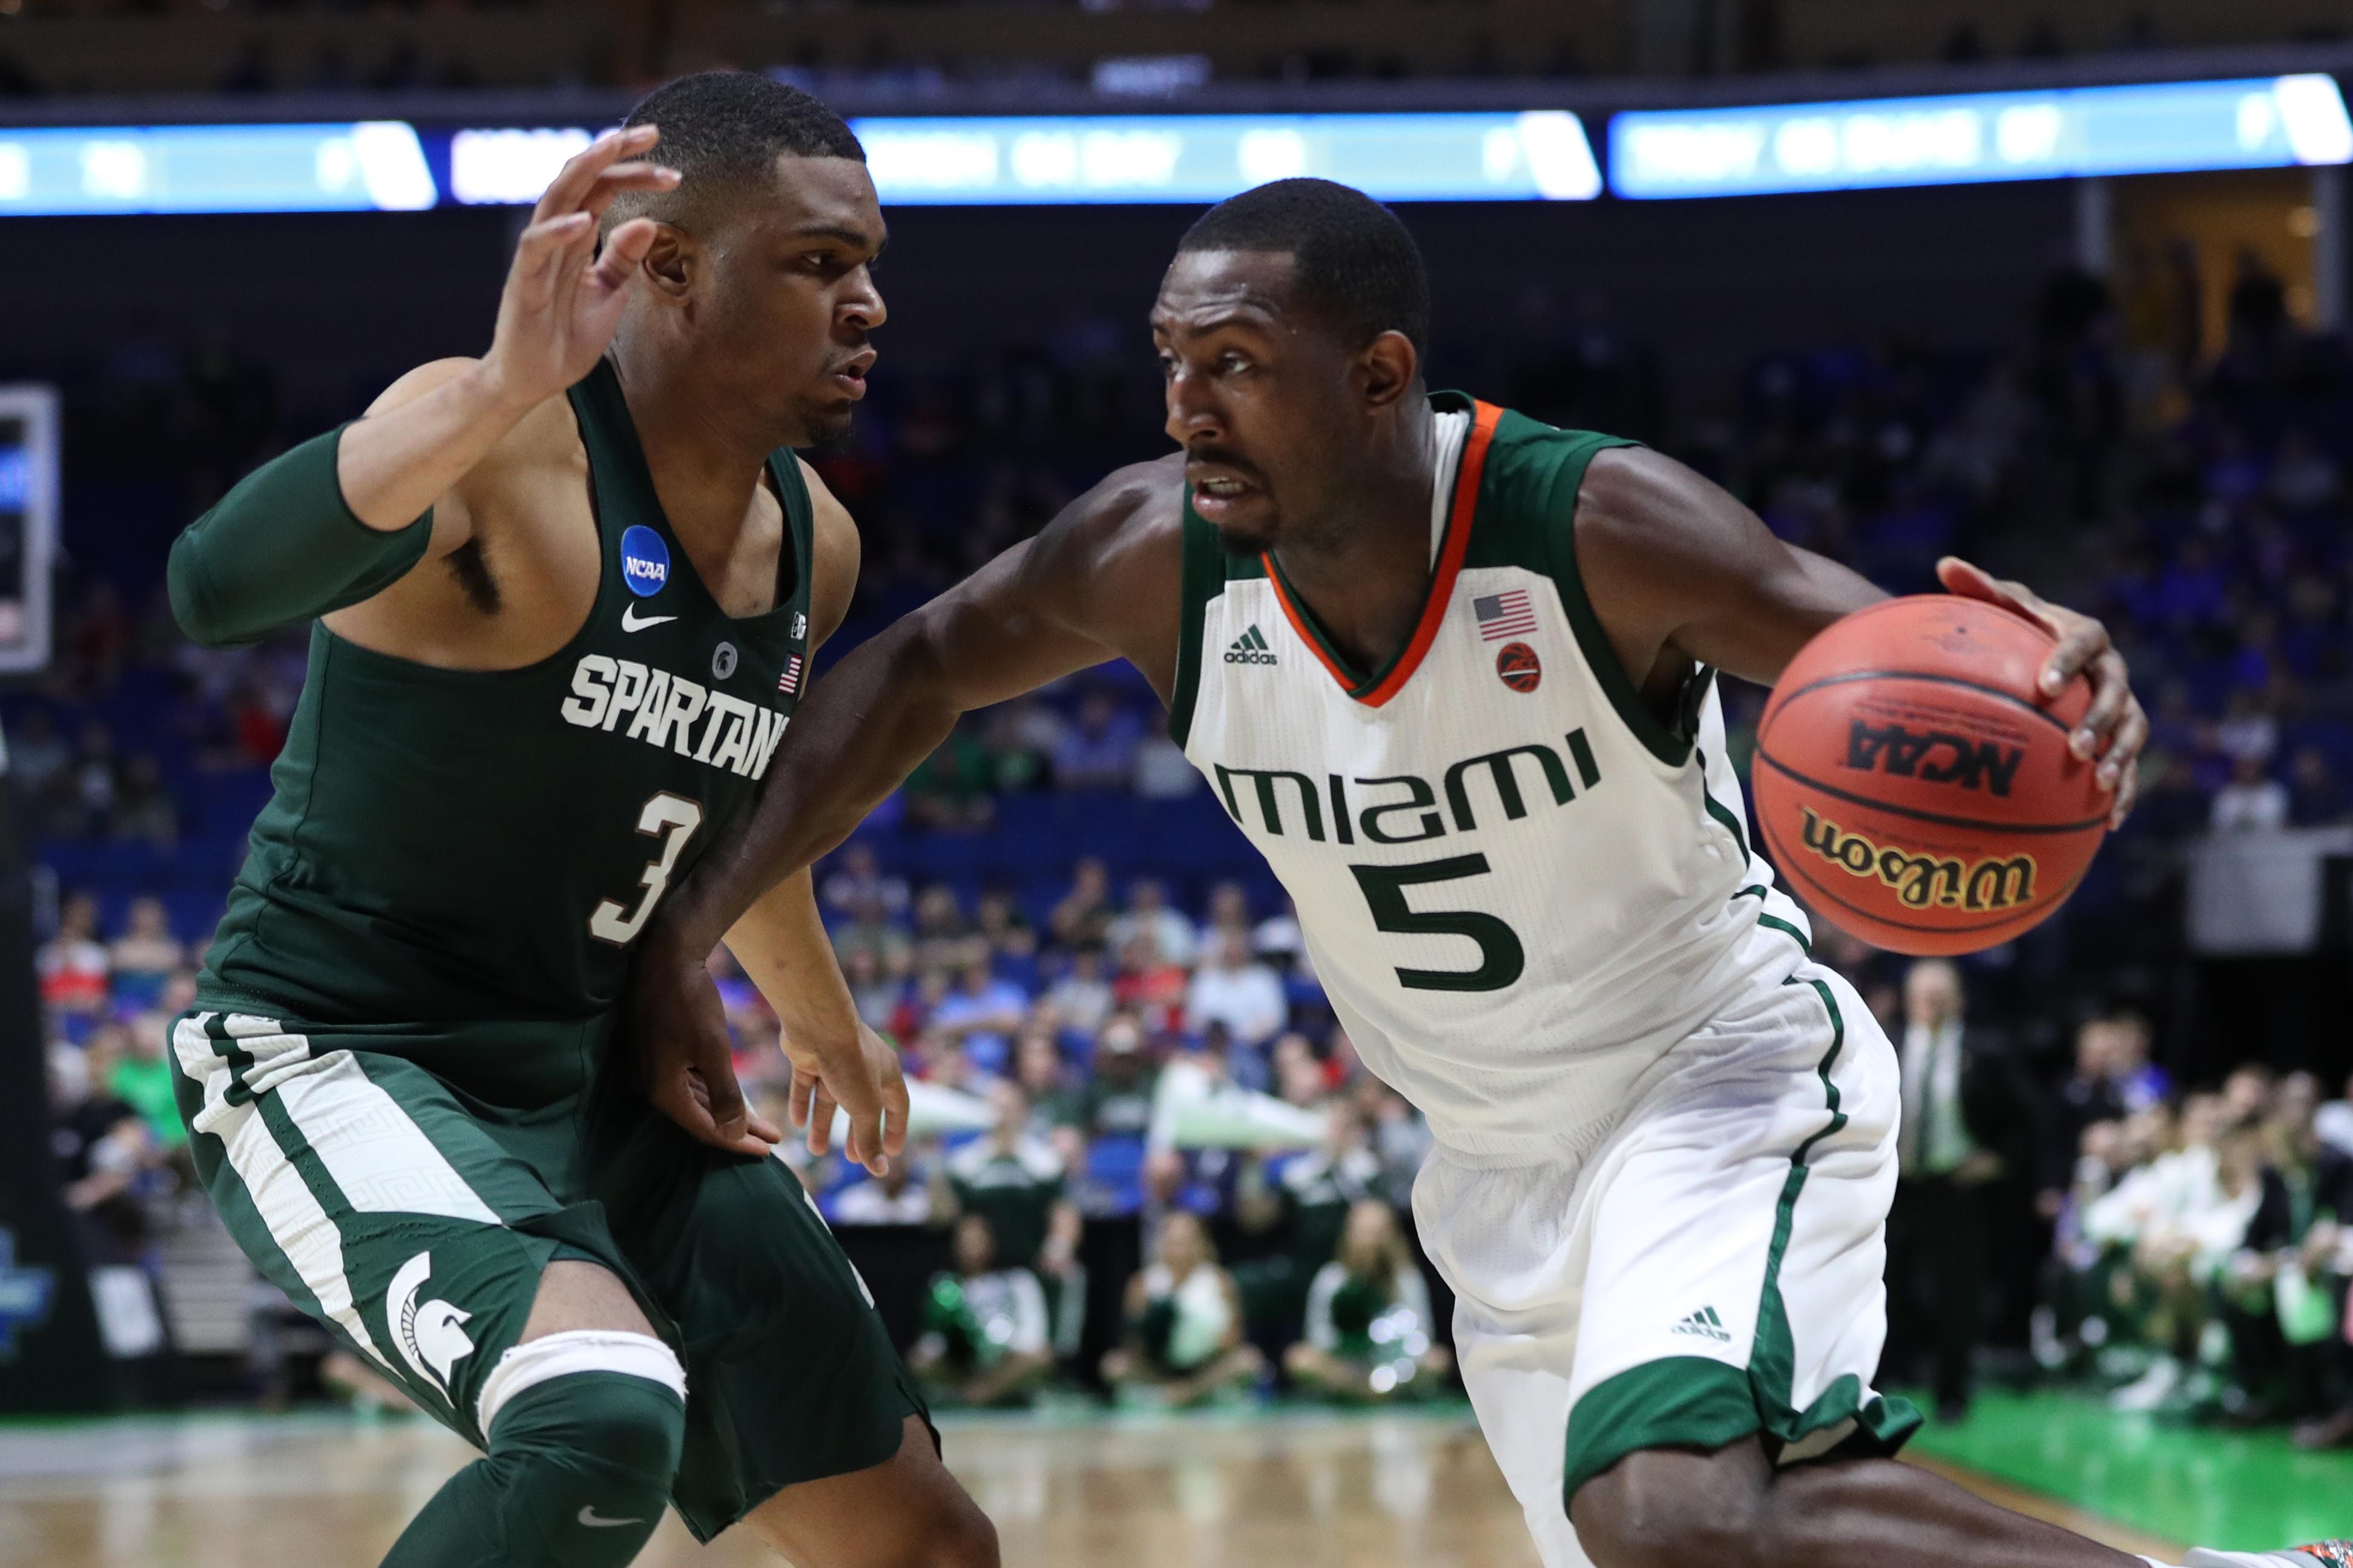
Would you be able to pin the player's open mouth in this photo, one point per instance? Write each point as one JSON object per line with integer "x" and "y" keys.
{"x": 1217, "y": 493}
{"x": 850, "y": 377}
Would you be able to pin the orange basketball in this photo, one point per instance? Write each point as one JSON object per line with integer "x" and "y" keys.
{"x": 1914, "y": 788}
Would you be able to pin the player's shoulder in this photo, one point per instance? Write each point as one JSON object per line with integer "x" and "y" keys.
{"x": 1132, "y": 513}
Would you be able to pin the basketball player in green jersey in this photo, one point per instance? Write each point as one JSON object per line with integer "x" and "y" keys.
{"x": 569, "y": 592}
{"x": 1664, "y": 1135}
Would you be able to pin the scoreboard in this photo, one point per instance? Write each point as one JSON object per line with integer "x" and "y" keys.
{"x": 28, "y": 523}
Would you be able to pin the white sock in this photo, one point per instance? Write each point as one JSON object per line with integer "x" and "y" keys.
{"x": 2156, "y": 1562}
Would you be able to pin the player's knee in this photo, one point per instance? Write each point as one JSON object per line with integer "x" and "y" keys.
{"x": 958, "y": 1537}
{"x": 1670, "y": 1509}
{"x": 586, "y": 1431}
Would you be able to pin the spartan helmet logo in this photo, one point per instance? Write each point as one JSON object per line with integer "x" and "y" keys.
{"x": 429, "y": 1339}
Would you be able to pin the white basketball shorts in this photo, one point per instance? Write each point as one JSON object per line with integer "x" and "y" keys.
{"x": 1711, "y": 1267}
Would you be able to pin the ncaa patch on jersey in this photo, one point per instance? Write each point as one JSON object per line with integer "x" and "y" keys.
{"x": 1516, "y": 662}
{"x": 645, "y": 560}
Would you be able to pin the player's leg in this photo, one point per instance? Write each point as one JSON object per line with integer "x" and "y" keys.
{"x": 582, "y": 1423}
{"x": 359, "y": 1186}
{"x": 804, "y": 1424}
{"x": 905, "y": 1512}
{"x": 1734, "y": 1316}
{"x": 1663, "y": 1508}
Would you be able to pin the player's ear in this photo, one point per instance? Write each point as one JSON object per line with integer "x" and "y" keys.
{"x": 669, "y": 267}
{"x": 1389, "y": 368}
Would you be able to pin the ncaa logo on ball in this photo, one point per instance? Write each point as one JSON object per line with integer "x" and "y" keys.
{"x": 645, "y": 561}
{"x": 1516, "y": 663}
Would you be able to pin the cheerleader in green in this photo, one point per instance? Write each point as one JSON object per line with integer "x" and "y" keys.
{"x": 1369, "y": 1323}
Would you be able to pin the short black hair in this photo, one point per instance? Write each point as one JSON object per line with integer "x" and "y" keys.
{"x": 723, "y": 132}
{"x": 1353, "y": 260}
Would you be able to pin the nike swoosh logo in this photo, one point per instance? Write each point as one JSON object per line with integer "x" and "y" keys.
{"x": 633, "y": 622}
{"x": 587, "y": 1514}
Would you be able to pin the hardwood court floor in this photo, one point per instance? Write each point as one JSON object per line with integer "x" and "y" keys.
{"x": 1292, "y": 1489}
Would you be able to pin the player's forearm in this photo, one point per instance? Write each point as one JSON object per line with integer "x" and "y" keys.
{"x": 397, "y": 461}
{"x": 781, "y": 943}
{"x": 337, "y": 519}
{"x": 863, "y": 729}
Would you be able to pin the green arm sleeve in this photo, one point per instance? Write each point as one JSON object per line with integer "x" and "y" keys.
{"x": 283, "y": 547}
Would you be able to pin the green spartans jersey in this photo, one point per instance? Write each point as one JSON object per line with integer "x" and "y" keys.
{"x": 448, "y": 844}
{"x": 1518, "y": 886}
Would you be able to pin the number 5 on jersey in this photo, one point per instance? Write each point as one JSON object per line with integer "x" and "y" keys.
{"x": 1502, "y": 959}
{"x": 674, "y": 819}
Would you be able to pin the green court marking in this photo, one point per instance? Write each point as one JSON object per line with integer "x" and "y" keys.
{"x": 2242, "y": 1491}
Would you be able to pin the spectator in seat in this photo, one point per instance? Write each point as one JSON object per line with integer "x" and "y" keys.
{"x": 1183, "y": 1329}
{"x": 1098, "y": 751}
{"x": 950, "y": 791}
{"x": 1148, "y": 915}
{"x": 1055, "y": 1097}
{"x": 1010, "y": 1178}
{"x": 1234, "y": 989}
{"x": 982, "y": 1013}
{"x": 859, "y": 881}
{"x": 985, "y": 1332}
{"x": 874, "y": 994}
{"x": 72, "y": 965}
{"x": 1122, "y": 1088}
{"x": 146, "y": 955}
{"x": 1962, "y": 1107}
{"x": 872, "y": 931}
{"x": 944, "y": 938}
{"x": 1148, "y": 984}
{"x": 2252, "y": 802}
{"x": 2283, "y": 1290}
{"x": 103, "y": 1150}
{"x": 1368, "y": 1319}
{"x": 1083, "y": 919}
{"x": 2112, "y": 1079}
{"x": 1081, "y": 997}
{"x": 894, "y": 1197}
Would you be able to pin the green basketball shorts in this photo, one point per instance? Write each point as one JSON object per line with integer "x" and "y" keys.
{"x": 406, "y": 1186}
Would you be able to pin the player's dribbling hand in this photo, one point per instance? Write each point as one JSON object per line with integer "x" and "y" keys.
{"x": 2113, "y": 727}
{"x": 563, "y": 298}
{"x": 860, "y": 1076}
{"x": 677, "y": 1028}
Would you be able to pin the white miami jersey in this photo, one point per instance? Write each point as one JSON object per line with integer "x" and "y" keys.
{"x": 1519, "y": 885}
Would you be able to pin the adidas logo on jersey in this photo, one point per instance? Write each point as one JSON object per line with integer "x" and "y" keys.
{"x": 1706, "y": 1325}
{"x": 1250, "y": 649}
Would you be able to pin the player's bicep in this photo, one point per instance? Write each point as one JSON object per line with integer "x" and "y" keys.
{"x": 1099, "y": 583}
{"x": 1675, "y": 563}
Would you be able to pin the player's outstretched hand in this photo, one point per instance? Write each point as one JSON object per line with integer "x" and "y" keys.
{"x": 675, "y": 1027}
{"x": 2113, "y": 727}
{"x": 861, "y": 1077}
{"x": 563, "y": 298}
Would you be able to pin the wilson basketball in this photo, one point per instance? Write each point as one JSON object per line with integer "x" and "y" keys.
{"x": 1914, "y": 787}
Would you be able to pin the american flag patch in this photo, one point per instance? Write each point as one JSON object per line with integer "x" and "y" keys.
{"x": 790, "y": 681}
{"x": 1505, "y": 615}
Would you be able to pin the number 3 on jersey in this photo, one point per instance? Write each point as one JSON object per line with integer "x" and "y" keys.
{"x": 1502, "y": 959}
{"x": 674, "y": 818}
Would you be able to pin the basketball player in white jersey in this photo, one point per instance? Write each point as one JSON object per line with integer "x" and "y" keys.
{"x": 1452, "y": 671}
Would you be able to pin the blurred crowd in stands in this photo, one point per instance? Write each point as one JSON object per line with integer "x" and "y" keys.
{"x": 1076, "y": 956}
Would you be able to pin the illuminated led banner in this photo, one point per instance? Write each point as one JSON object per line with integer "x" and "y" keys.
{"x": 1537, "y": 156}
{"x": 2170, "y": 128}
{"x": 372, "y": 166}
{"x": 992, "y": 162}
